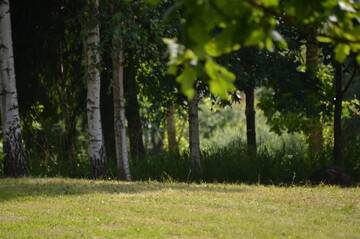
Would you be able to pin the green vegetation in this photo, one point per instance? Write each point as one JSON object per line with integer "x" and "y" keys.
{"x": 255, "y": 91}
{"x": 64, "y": 208}
{"x": 166, "y": 93}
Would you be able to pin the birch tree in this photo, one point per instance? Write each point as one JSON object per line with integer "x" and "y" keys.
{"x": 14, "y": 157}
{"x": 96, "y": 148}
{"x": 122, "y": 158}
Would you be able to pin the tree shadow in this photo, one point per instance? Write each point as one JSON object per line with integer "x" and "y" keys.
{"x": 13, "y": 189}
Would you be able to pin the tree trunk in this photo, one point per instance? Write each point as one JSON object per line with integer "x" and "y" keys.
{"x": 337, "y": 151}
{"x": 68, "y": 137}
{"x": 315, "y": 135}
{"x": 250, "y": 121}
{"x": 96, "y": 145}
{"x": 312, "y": 56}
{"x": 157, "y": 139}
{"x": 194, "y": 137}
{"x": 107, "y": 109}
{"x": 68, "y": 146}
{"x": 315, "y": 138}
{"x": 137, "y": 149}
{"x": 122, "y": 159}
{"x": 171, "y": 130}
{"x": 14, "y": 156}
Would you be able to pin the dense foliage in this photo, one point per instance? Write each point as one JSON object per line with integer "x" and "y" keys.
{"x": 277, "y": 83}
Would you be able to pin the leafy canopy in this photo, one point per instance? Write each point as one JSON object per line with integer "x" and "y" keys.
{"x": 212, "y": 28}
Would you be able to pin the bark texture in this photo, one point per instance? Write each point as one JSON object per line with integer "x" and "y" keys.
{"x": 312, "y": 55}
{"x": 315, "y": 137}
{"x": 122, "y": 158}
{"x": 315, "y": 134}
{"x": 194, "y": 136}
{"x": 250, "y": 121}
{"x": 96, "y": 145}
{"x": 14, "y": 156}
{"x": 171, "y": 130}
{"x": 137, "y": 149}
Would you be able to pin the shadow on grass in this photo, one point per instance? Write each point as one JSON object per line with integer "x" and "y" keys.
{"x": 12, "y": 189}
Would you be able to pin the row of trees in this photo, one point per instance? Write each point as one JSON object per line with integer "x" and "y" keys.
{"x": 74, "y": 42}
{"x": 111, "y": 58}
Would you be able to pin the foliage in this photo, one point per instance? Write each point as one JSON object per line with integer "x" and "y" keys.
{"x": 215, "y": 28}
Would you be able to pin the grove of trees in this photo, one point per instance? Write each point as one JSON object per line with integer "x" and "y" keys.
{"x": 117, "y": 88}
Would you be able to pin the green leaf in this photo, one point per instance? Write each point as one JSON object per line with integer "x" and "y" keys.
{"x": 341, "y": 52}
{"x": 186, "y": 80}
{"x": 172, "y": 70}
{"x": 254, "y": 38}
{"x": 222, "y": 43}
{"x": 324, "y": 39}
{"x": 269, "y": 44}
{"x": 358, "y": 58}
{"x": 212, "y": 49}
{"x": 221, "y": 80}
{"x": 270, "y": 3}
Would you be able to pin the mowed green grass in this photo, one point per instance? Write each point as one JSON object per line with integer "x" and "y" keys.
{"x": 66, "y": 208}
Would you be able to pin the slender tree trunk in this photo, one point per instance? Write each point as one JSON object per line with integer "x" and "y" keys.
{"x": 250, "y": 121}
{"x": 171, "y": 130}
{"x": 122, "y": 158}
{"x": 312, "y": 55}
{"x": 137, "y": 149}
{"x": 194, "y": 136}
{"x": 316, "y": 138}
{"x": 14, "y": 156}
{"x": 67, "y": 138}
{"x": 337, "y": 151}
{"x": 107, "y": 108}
{"x": 68, "y": 145}
{"x": 96, "y": 144}
{"x": 157, "y": 139}
{"x": 315, "y": 135}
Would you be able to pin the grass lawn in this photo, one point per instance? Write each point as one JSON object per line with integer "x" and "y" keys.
{"x": 66, "y": 208}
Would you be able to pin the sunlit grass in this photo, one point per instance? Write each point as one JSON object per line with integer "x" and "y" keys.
{"x": 64, "y": 208}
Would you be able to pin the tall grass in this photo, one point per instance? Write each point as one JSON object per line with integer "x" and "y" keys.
{"x": 230, "y": 163}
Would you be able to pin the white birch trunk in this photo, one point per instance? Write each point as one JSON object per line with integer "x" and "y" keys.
{"x": 14, "y": 157}
{"x": 96, "y": 148}
{"x": 194, "y": 137}
{"x": 122, "y": 158}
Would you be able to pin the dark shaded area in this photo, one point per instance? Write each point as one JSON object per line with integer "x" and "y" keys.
{"x": 333, "y": 175}
{"x": 50, "y": 86}
{"x": 250, "y": 120}
{"x": 11, "y": 189}
{"x": 132, "y": 111}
